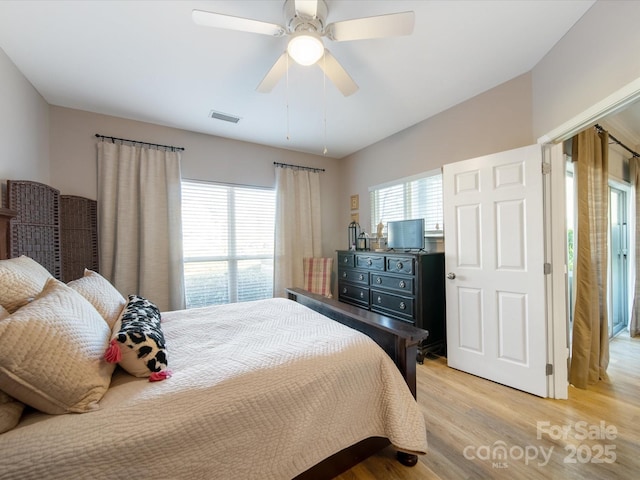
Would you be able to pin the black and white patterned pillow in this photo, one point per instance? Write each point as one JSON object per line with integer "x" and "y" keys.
{"x": 137, "y": 342}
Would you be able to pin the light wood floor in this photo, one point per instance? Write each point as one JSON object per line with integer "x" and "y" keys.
{"x": 467, "y": 415}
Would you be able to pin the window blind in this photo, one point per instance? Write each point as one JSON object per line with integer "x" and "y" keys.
{"x": 228, "y": 234}
{"x": 419, "y": 196}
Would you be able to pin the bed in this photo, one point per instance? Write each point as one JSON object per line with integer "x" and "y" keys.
{"x": 278, "y": 388}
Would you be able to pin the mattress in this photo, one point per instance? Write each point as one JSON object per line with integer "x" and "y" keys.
{"x": 262, "y": 389}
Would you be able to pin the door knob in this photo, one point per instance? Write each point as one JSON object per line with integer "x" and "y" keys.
{"x": 451, "y": 276}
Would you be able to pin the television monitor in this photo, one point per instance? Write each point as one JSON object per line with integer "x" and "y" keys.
{"x": 406, "y": 234}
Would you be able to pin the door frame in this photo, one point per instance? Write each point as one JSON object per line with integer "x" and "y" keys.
{"x": 555, "y": 232}
{"x": 556, "y": 282}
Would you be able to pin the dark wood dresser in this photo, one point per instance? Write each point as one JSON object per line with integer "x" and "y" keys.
{"x": 404, "y": 286}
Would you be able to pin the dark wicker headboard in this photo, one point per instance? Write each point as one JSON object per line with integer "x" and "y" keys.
{"x": 58, "y": 231}
{"x": 79, "y": 236}
{"x": 35, "y": 230}
{"x": 5, "y": 217}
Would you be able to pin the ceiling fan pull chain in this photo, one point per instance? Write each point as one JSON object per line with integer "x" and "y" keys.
{"x": 287, "y": 97}
{"x": 324, "y": 95}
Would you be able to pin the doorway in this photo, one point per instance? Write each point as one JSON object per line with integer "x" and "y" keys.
{"x": 618, "y": 255}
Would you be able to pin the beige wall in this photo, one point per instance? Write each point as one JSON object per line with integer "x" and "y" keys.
{"x": 593, "y": 60}
{"x": 619, "y": 164}
{"x": 565, "y": 82}
{"x": 24, "y": 127}
{"x": 597, "y": 57}
{"x": 499, "y": 119}
{"x": 74, "y": 156}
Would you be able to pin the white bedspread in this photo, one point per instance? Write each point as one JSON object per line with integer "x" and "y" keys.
{"x": 260, "y": 390}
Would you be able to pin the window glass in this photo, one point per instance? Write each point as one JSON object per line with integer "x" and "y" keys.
{"x": 419, "y": 196}
{"x": 228, "y": 234}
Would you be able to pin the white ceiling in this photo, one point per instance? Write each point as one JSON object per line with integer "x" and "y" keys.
{"x": 147, "y": 60}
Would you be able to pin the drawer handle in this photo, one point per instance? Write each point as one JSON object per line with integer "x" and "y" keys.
{"x": 361, "y": 277}
{"x": 361, "y": 294}
{"x": 399, "y": 265}
{"x": 403, "y": 306}
{"x": 402, "y": 284}
{"x": 378, "y": 280}
{"x": 344, "y": 274}
{"x": 344, "y": 290}
{"x": 345, "y": 260}
{"x": 379, "y": 299}
{"x": 369, "y": 262}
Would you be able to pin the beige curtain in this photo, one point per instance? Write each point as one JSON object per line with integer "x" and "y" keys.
{"x": 298, "y": 232}
{"x": 634, "y": 322}
{"x": 140, "y": 222}
{"x": 590, "y": 340}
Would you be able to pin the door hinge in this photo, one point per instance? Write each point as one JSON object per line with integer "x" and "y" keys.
{"x": 547, "y": 268}
{"x": 546, "y": 168}
{"x": 549, "y": 369}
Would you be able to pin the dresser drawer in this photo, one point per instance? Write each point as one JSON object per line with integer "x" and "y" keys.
{"x": 400, "y": 265}
{"x": 352, "y": 293}
{"x": 396, "y": 305}
{"x": 400, "y": 284}
{"x": 346, "y": 259}
{"x": 370, "y": 262}
{"x": 353, "y": 276}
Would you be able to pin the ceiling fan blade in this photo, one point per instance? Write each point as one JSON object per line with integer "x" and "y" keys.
{"x": 308, "y": 8}
{"x": 274, "y": 75}
{"x": 391, "y": 25}
{"x": 337, "y": 74}
{"x": 229, "y": 22}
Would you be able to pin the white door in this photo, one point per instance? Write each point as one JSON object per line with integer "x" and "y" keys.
{"x": 494, "y": 262}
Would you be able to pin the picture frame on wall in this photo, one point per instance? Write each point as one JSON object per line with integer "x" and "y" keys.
{"x": 355, "y": 217}
{"x": 355, "y": 201}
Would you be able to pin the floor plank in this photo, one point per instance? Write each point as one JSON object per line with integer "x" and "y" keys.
{"x": 593, "y": 434}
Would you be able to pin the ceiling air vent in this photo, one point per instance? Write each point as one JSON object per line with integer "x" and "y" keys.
{"x": 224, "y": 116}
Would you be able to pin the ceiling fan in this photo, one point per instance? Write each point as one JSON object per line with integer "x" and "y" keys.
{"x": 305, "y": 24}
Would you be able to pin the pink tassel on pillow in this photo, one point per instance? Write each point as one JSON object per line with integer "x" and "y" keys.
{"x": 113, "y": 354}
{"x": 159, "y": 376}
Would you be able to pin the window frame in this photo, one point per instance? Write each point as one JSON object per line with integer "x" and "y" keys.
{"x": 232, "y": 258}
{"x": 407, "y": 202}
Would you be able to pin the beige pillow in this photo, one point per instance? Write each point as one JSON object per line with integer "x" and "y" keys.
{"x": 10, "y": 408}
{"x": 21, "y": 279}
{"x": 101, "y": 294}
{"x": 10, "y": 412}
{"x": 51, "y": 352}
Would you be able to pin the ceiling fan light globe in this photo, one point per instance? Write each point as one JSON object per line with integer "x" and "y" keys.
{"x": 305, "y": 48}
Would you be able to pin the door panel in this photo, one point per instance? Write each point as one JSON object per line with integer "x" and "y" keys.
{"x": 512, "y": 327}
{"x": 494, "y": 254}
{"x": 468, "y": 246}
{"x": 470, "y": 308}
{"x": 511, "y": 246}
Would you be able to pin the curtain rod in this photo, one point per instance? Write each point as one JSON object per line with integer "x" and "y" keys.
{"x": 113, "y": 139}
{"x": 299, "y": 167}
{"x": 615, "y": 140}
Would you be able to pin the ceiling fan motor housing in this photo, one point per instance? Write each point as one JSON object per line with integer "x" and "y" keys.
{"x": 299, "y": 22}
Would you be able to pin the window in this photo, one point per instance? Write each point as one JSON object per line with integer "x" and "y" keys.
{"x": 419, "y": 196}
{"x": 228, "y": 243}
